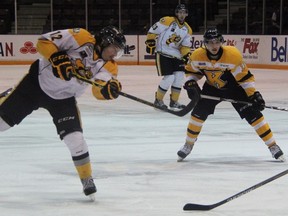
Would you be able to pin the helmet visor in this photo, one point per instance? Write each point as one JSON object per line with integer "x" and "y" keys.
{"x": 112, "y": 52}
{"x": 119, "y": 51}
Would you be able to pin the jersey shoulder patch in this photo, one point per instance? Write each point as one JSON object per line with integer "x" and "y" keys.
{"x": 82, "y": 36}
{"x": 167, "y": 20}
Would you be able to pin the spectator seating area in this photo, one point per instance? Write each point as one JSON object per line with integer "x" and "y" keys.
{"x": 34, "y": 17}
{"x": 6, "y": 16}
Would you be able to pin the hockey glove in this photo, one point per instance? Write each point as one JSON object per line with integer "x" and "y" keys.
{"x": 61, "y": 65}
{"x": 111, "y": 89}
{"x": 257, "y": 101}
{"x": 186, "y": 58}
{"x": 150, "y": 46}
{"x": 193, "y": 90}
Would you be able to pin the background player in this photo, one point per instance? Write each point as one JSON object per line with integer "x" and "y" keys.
{"x": 170, "y": 38}
{"x": 227, "y": 76}
{"x": 50, "y": 85}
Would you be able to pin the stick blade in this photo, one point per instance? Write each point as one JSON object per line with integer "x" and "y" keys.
{"x": 184, "y": 111}
{"x": 197, "y": 207}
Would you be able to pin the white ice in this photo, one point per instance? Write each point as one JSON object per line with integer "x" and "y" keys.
{"x": 133, "y": 151}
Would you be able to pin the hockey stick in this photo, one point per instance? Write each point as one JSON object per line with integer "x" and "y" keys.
{"x": 6, "y": 92}
{"x": 242, "y": 102}
{"x": 199, "y": 207}
{"x": 179, "y": 113}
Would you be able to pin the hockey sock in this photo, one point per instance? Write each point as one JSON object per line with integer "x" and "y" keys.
{"x": 193, "y": 129}
{"x": 175, "y": 93}
{"x": 84, "y": 171}
{"x": 263, "y": 130}
{"x": 79, "y": 152}
{"x": 160, "y": 93}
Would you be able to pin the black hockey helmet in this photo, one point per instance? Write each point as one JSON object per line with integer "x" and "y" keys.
{"x": 212, "y": 34}
{"x": 110, "y": 35}
{"x": 180, "y": 7}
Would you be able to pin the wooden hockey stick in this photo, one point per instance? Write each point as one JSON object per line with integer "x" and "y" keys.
{"x": 242, "y": 102}
{"x": 179, "y": 113}
{"x": 199, "y": 207}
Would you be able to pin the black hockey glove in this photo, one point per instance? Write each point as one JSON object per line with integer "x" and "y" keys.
{"x": 193, "y": 90}
{"x": 61, "y": 65}
{"x": 186, "y": 58}
{"x": 257, "y": 101}
{"x": 150, "y": 46}
{"x": 111, "y": 89}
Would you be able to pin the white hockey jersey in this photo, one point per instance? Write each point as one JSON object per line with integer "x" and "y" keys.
{"x": 79, "y": 45}
{"x": 171, "y": 36}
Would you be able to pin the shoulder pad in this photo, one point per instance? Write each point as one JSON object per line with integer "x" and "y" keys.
{"x": 190, "y": 31}
{"x": 199, "y": 54}
{"x": 167, "y": 20}
{"x": 233, "y": 52}
{"x": 82, "y": 36}
{"x": 112, "y": 67}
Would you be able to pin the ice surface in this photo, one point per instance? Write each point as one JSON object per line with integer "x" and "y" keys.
{"x": 133, "y": 151}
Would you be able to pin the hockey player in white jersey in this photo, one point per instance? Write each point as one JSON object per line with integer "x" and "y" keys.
{"x": 50, "y": 84}
{"x": 170, "y": 38}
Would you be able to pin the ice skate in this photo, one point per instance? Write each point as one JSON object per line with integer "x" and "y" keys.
{"x": 184, "y": 151}
{"x": 89, "y": 187}
{"x": 159, "y": 103}
{"x": 176, "y": 105}
{"x": 277, "y": 153}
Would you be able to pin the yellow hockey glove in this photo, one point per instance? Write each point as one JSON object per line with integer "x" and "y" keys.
{"x": 61, "y": 65}
{"x": 111, "y": 89}
{"x": 150, "y": 46}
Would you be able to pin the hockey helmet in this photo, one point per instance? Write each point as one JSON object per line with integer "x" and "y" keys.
{"x": 181, "y": 7}
{"x": 213, "y": 34}
{"x": 110, "y": 35}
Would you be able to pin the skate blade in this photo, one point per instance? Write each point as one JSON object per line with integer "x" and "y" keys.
{"x": 281, "y": 159}
{"x": 176, "y": 108}
{"x": 92, "y": 197}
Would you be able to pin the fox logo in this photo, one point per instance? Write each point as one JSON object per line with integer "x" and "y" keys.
{"x": 251, "y": 46}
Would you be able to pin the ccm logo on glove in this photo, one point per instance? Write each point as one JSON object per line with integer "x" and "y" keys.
{"x": 61, "y": 65}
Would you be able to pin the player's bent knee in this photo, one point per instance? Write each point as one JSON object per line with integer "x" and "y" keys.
{"x": 252, "y": 116}
{"x": 76, "y": 143}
